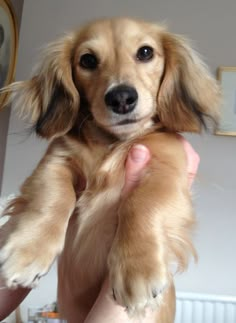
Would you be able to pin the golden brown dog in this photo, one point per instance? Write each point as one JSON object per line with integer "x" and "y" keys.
{"x": 95, "y": 93}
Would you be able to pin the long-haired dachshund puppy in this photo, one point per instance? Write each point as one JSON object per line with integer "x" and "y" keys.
{"x": 95, "y": 93}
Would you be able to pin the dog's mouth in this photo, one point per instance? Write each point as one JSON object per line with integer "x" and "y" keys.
{"x": 132, "y": 120}
{"x": 130, "y": 126}
{"x": 126, "y": 121}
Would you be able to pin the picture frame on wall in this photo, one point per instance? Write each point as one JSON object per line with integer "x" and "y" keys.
{"x": 227, "y": 79}
{"x": 8, "y": 45}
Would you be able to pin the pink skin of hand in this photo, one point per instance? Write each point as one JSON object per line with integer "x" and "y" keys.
{"x": 10, "y": 299}
{"x": 193, "y": 160}
{"x": 105, "y": 309}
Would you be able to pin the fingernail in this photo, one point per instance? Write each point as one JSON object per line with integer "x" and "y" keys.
{"x": 139, "y": 153}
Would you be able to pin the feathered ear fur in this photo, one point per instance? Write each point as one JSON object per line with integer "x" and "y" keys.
{"x": 188, "y": 93}
{"x": 50, "y": 97}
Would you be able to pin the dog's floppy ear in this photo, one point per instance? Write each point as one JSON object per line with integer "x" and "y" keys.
{"x": 50, "y": 97}
{"x": 188, "y": 93}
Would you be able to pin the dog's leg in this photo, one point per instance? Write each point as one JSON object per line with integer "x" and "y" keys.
{"x": 35, "y": 233}
{"x": 154, "y": 228}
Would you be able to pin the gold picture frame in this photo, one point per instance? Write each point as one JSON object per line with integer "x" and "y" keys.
{"x": 8, "y": 45}
{"x": 227, "y": 78}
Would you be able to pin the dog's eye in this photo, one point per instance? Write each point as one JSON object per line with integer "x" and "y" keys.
{"x": 145, "y": 53}
{"x": 88, "y": 61}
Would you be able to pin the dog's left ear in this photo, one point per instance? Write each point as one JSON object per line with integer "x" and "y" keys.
{"x": 50, "y": 98}
{"x": 58, "y": 95}
{"x": 188, "y": 93}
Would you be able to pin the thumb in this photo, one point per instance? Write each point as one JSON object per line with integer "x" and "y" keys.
{"x": 137, "y": 159}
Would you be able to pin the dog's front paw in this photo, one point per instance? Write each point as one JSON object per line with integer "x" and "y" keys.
{"x": 26, "y": 253}
{"x": 138, "y": 277}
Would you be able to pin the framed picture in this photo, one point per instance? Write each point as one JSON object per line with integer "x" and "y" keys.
{"x": 8, "y": 44}
{"x": 227, "y": 78}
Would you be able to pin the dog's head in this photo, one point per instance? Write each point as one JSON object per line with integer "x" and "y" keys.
{"x": 127, "y": 73}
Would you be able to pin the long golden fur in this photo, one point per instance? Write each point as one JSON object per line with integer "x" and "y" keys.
{"x": 72, "y": 205}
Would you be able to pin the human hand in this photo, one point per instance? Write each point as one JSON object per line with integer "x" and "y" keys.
{"x": 10, "y": 299}
{"x": 139, "y": 156}
{"x": 105, "y": 309}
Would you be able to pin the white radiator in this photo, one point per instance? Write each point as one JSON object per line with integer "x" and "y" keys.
{"x": 197, "y": 308}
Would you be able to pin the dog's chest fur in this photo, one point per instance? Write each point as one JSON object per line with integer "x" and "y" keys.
{"x": 92, "y": 228}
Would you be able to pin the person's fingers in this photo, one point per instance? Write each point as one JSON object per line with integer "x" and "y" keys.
{"x": 138, "y": 157}
{"x": 193, "y": 160}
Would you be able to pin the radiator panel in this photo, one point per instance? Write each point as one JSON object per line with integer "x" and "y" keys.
{"x": 197, "y": 308}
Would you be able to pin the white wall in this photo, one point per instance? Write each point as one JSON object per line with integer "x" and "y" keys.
{"x": 212, "y": 25}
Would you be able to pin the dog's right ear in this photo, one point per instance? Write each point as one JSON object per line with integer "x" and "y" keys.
{"x": 189, "y": 95}
{"x": 50, "y": 97}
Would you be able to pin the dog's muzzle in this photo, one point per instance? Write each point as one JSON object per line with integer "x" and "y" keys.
{"x": 121, "y": 99}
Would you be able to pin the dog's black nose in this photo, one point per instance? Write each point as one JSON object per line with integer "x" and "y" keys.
{"x": 121, "y": 99}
